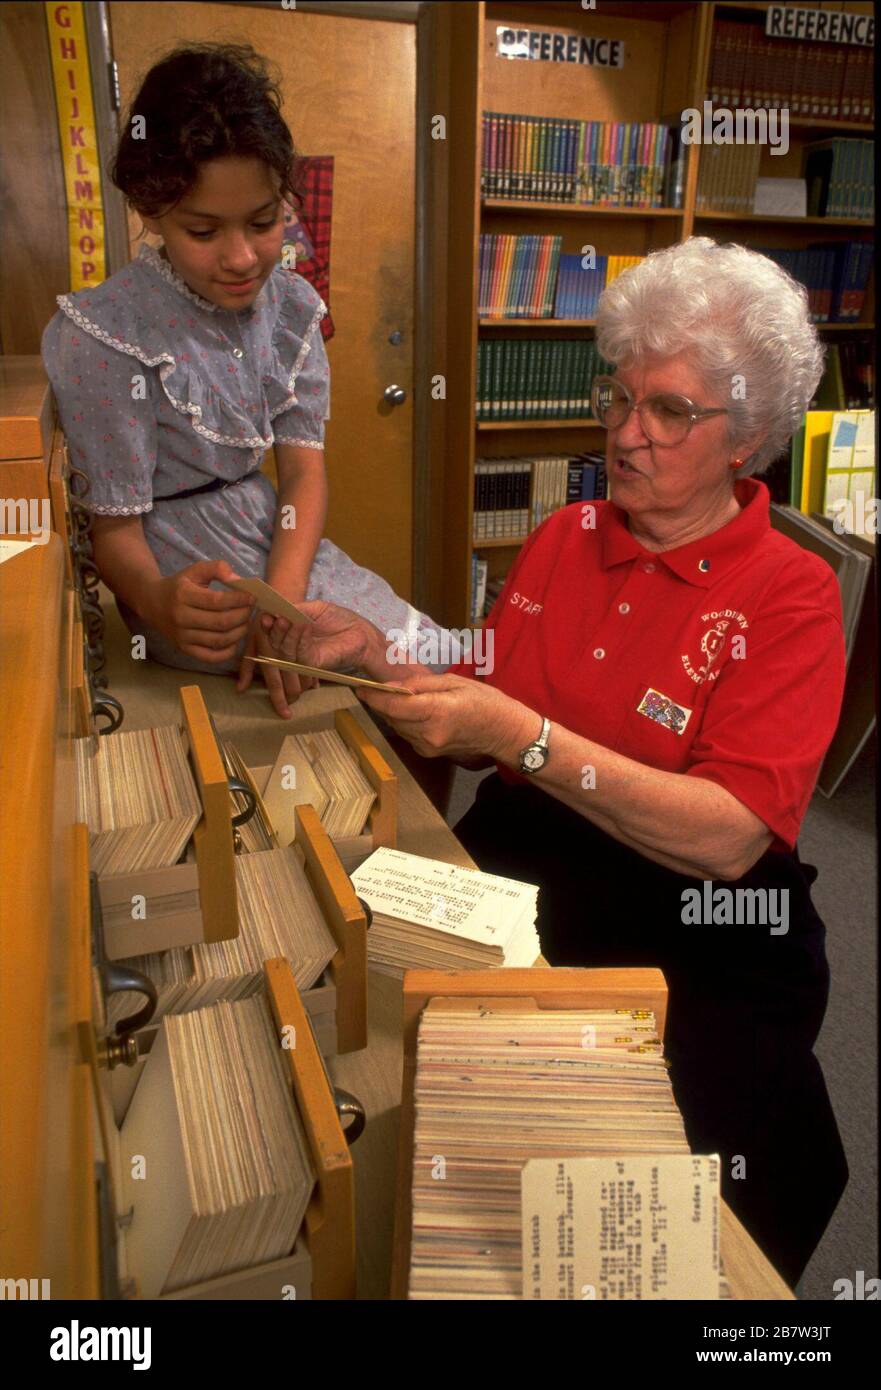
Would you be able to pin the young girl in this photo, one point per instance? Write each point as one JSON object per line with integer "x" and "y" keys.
{"x": 174, "y": 376}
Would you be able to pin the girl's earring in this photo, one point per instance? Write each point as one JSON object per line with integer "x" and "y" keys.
{"x": 736, "y": 463}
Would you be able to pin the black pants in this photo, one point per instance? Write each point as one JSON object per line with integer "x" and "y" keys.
{"x": 744, "y": 1006}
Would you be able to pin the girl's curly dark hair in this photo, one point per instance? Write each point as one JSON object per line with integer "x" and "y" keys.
{"x": 202, "y": 101}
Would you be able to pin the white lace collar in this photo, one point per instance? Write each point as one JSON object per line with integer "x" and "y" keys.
{"x": 154, "y": 258}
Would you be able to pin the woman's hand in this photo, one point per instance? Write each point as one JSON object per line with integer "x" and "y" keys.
{"x": 336, "y": 639}
{"x": 200, "y": 621}
{"x": 454, "y": 717}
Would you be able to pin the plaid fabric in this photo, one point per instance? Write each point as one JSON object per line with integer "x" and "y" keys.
{"x": 315, "y": 182}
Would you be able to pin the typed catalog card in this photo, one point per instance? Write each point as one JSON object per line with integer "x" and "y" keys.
{"x": 632, "y": 1228}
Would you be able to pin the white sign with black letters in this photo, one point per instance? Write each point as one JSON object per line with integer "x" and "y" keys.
{"x": 829, "y": 26}
{"x": 548, "y": 46}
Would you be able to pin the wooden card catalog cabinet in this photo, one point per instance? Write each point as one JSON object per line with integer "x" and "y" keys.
{"x": 26, "y": 439}
{"x": 59, "y": 1133}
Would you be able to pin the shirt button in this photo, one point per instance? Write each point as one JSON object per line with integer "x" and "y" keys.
{"x": 237, "y": 352}
{"x": 599, "y": 653}
{"x": 623, "y": 607}
{"x": 649, "y": 568}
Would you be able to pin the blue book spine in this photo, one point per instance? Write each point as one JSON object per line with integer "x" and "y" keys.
{"x": 588, "y": 481}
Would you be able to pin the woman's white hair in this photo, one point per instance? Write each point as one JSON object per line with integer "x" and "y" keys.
{"x": 743, "y": 321}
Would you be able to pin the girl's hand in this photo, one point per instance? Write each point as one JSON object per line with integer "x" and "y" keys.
{"x": 285, "y": 687}
{"x": 203, "y": 622}
{"x": 454, "y": 717}
{"x": 336, "y": 639}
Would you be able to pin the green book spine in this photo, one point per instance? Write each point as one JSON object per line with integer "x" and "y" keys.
{"x": 585, "y": 375}
{"x": 527, "y": 380}
{"x": 481, "y": 356}
{"x": 533, "y": 380}
{"x": 556, "y": 406}
{"x": 539, "y": 358}
{"x": 496, "y": 389}
{"x": 517, "y": 381}
{"x": 527, "y": 367}
{"x": 571, "y": 381}
{"x": 551, "y": 379}
{"x": 564, "y": 378}
{"x": 508, "y": 391}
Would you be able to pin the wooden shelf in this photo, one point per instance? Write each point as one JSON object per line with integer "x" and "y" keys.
{"x": 500, "y": 543}
{"x": 572, "y": 209}
{"x": 830, "y": 123}
{"x": 535, "y": 323}
{"x": 661, "y": 10}
{"x": 538, "y": 424}
{"x": 785, "y": 221}
{"x": 844, "y": 327}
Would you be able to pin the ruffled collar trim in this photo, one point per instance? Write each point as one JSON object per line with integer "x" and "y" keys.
{"x": 152, "y": 256}
{"x": 212, "y": 413}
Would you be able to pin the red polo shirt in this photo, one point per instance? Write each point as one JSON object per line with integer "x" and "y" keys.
{"x": 721, "y": 659}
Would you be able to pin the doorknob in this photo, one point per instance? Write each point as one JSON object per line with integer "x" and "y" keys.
{"x": 395, "y": 395}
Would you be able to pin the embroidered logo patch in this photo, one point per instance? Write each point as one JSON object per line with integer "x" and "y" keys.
{"x": 664, "y": 711}
{"x": 712, "y": 642}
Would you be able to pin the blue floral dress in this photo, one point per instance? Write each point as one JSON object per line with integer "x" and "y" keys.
{"x": 159, "y": 391}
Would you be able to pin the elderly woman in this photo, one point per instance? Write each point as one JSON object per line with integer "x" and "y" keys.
{"x": 667, "y": 676}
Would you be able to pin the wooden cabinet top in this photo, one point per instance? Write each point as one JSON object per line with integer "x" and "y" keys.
{"x": 26, "y": 409}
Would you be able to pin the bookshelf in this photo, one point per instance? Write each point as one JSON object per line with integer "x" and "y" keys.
{"x": 668, "y": 49}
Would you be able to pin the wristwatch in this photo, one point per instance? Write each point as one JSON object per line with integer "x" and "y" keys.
{"x": 534, "y": 756}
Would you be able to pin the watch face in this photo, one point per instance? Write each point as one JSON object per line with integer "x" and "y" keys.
{"x": 534, "y": 758}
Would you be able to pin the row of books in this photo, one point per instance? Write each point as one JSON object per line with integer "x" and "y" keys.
{"x": 549, "y": 159}
{"x": 821, "y": 80}
{"x": 514, "y": 495}
{"x": 840, "y": 176}
{"x": 536, "y": 378}
{"x": 835, "y": 275}
{"x": 727, "y": 178}
{"x": 530, "y": 277}
{"x": 517, "y": 276}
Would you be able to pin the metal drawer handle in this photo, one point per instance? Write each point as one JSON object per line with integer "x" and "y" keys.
{"x": 237, "y": 785}
{"x": 110, "y": 709}
{"x": 121, "y": 979}
{"x": 347, "y": 1104}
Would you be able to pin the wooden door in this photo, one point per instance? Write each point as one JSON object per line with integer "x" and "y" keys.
{"x": 349, "y": 88}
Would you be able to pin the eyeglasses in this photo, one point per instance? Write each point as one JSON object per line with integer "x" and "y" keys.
{"x": 666, "y": 418}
